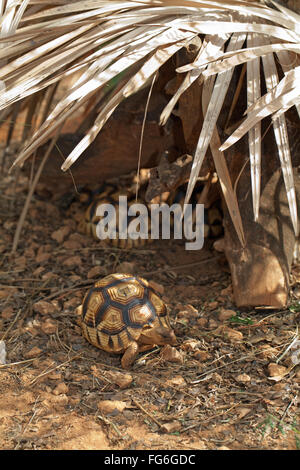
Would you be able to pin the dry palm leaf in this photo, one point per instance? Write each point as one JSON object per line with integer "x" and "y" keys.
{"x": 41, "y": 43}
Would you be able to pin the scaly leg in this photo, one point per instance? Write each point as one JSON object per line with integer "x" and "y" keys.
{"x": 129, "y": 355}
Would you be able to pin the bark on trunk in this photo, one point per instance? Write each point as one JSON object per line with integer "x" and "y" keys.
{"x": 260, "y": 271}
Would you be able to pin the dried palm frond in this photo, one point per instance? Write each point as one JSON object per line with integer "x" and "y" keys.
{"x": 41, "y": 43}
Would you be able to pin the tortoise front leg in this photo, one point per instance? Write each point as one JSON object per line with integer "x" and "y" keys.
{"x": 130, "y": 355}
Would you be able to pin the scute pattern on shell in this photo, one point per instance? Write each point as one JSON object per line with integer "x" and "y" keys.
{"x": 117, "y": 308}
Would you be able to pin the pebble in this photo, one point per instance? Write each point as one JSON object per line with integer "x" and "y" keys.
{"x": 213, "y": 305}
{"x": 71, "y": 245}
{"x": 267, "y": 352}
{"x": 190, "y": 345}
{"x": 126, "y": 267}
{"x": 33, "y": 352}
{"x": 72, "y": 261}
{"x": 201, "y": 356}
{"x": 171, "y": 354}
{"x": 49, "y": 326}
{"x": 173, "y": 426}
{"x": 44, "y": 308}
{"x": 276, "y": 370}
{"x": 177, "y": 381}
{"x": 123, "y": 380}
{"x": 225, "y": 314}
{"x": 109, "y": 406}
{"x": 188, "y": 311}
{"x": 61, "y": 389}
{"x": 243, "y": 378}
{"x": 230, "y": 333}
{"x": 96, "y": 271}
{"x": 60, "y": 234}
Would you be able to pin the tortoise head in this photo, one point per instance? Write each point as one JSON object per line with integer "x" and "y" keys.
{"x": 158, "y": 334}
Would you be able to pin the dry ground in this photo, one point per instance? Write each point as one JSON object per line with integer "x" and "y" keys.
{"x": 223, "y": 389}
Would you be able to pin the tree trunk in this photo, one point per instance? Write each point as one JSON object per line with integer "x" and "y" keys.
{"x": 260, "y": 271}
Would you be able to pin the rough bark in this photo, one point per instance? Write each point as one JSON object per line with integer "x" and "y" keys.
{"x": 260, "y": 271}
{"x": 116, "y": 148}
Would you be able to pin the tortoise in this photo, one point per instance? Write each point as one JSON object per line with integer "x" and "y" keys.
{"x": 122, "y": 313}
{"x": 109, "y": 194}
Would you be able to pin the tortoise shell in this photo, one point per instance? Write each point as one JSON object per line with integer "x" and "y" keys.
{"x": 110, "y": 196}
{"x": 117, "y": 309}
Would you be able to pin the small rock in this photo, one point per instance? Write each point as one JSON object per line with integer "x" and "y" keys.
{"x": 109, "y": 406}
{"x": 72, "y": 261}
{"x": 20, "y": 262}
{"x": 190, "y": 345}
{"x": 212, "y": 324}
{"x": 123, "y": 380}
{"x": 38, "y": 271}
{"x": 267, "y": 352}
{"x": 60, "y": 234}
{"x": 177, "y": 381}
{"x": 201, "y": 356}
{"x": 84, "y": 241}
{"x": 171, "y": 354}
{"x": 49, "y": 327}
{"x": 49, "y": 275}
{"x": 202, "y": 322}
{"x": 126, "y": 267}
{"x": 219, "y": 245}
{"x": 71, "y": 245}
{"x": 223, "y": 448}
{"x": 213, "y": 305}
{"x": 61, "y": 389}
{"x": 33, "y": 352}
{"x": 188, "y": 311}
{"x": 55, "y": 376}
{"x": 230, "y": 333}
{"x": 225, "y": 314}
{"x": 42, "y": 257}
{"x": 7, "y": 313}
{"x": 173, "y": 426}
{"x": 243, "y": 378}
{"x": 243, "y": 412}
{"x": 216, "y": 378}
{"x": 4, "y": 293}
{"x": 43, "y": 308}
{"x": 227, "y": 291}
{"x": 276, "y": 372}
{"x": 96, "y": 271}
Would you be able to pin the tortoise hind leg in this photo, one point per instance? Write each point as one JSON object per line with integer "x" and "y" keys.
{"x": 130, "y": 355}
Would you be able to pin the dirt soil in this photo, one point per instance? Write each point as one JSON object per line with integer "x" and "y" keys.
{"x": 227, "y": 385}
